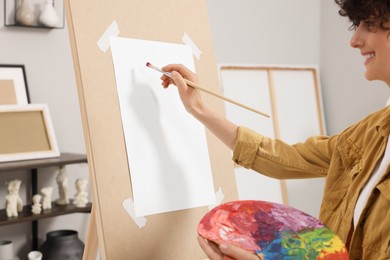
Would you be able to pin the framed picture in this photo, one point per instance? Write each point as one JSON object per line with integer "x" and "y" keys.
{"x": 26, "y": 132}
{"x": 13, "y": 85}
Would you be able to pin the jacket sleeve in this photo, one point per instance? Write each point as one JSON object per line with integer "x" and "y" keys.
{"x": 277, "y": 159}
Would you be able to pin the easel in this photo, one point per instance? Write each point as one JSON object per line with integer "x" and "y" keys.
{"x": 91, "y": 242}
{"x": 88, "y": 21}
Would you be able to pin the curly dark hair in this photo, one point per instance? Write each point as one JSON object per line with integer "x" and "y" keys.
{"x": 374, "y": 11}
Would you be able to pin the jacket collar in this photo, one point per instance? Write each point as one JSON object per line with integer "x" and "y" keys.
{"x": 383, "y": 126}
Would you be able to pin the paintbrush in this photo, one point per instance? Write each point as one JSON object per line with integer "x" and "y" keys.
{"x": 196, "y": 86}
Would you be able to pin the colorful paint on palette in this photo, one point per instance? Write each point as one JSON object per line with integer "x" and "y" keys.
{"x": 277, "y": 231}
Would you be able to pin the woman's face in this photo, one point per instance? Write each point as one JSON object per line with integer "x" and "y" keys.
{"x": 374, "y": 45}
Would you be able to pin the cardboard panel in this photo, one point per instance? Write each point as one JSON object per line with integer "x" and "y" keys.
{"x": 165, "y": 236}
{"x": 26, "y": 132}
{"x": 23, "y": 132}
{"x": 7, "y": 90}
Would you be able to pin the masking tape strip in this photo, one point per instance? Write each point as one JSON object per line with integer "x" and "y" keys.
{"x": 104, "y": 41}
{"x": 195, "y": 50}
{"x": 219, "y": 196}
{"x": 128, "y": 204}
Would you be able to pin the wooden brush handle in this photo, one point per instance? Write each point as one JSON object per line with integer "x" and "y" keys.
{"x": 196, "y": 86}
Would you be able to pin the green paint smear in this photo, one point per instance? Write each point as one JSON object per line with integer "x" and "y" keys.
{"x": 307, "y": 244}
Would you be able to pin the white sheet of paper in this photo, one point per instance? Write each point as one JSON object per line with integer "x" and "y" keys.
{"x": 166, "y": 147}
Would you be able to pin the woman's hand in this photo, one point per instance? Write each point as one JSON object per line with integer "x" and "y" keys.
{"x": 222, "y": 128}
{"x": 190, "y": 97}
{"x": 225, "y": 251}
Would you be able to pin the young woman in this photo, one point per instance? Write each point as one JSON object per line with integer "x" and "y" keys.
{"x": 356, "y": 202}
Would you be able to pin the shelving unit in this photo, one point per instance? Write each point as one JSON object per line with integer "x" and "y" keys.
{"x": 56, "y": 210}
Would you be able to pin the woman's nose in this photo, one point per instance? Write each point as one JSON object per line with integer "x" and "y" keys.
{"x": 356, "y": 39}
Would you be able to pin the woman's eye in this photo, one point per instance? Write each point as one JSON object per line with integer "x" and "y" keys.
{"x": 367, "y": 24}
{"x": 370, "y": 25}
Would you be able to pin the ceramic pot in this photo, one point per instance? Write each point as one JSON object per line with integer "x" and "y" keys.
{"x": 34, "y": 255}
{"x": 48, "y": 16}
{"x": 7, "y": 250}
{"x": 24, "y": 14}
{"x": 61, "y": 245}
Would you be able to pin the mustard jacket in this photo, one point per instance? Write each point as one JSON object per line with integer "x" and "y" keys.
{"x": 347, "y": 161}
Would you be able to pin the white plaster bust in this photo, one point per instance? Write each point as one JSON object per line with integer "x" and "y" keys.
{"x": 36, "y": 207}
{"x": 81, "y": 196}
{"x": 13, "y": 202}
{"x": 46, "y": 197}
{"x": 62, "y": 183}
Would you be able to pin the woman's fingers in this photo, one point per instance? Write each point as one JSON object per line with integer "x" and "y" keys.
{"x": 238, "y": 253}
{"x": 190, "y": 98}
{"x": 166, "y": 81}
{"x": 177, "y": 70}
{"x": 210, "y": 248}
{"x": 225, "y": 251}
{"x": 182, "y": 70}
{"x": 178, "y": 80}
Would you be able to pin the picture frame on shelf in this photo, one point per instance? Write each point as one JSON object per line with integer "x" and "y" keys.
{"x": 36, "y": 6}
{"x": 26, "y": 132}
{"x": 13, "y": 85}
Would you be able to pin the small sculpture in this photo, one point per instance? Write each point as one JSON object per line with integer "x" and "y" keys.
{"x": 36, "y": 207}
{"x": 13, "y": 201}
{"x": 46, "y": 197}
{"x": 48, "y": 16}
{"x": 81, "y": 196}
{"x": 24, "y": 13}
{"x": 62, "y": 183}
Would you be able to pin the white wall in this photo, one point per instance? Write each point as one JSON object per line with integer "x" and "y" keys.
{"x": 265, "y": 31}
{"x": 348, "y": 96}
{"x": 270, "y": 32}
{"x": 47, "y": 57}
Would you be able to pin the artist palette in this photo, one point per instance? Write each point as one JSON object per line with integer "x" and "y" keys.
{"x": 277, "y": 231}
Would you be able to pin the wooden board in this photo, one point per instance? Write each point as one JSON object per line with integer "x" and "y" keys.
{"x": 165, "y": 236}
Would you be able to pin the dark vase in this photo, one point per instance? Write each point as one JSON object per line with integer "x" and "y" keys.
{"x": 61, "y": 245}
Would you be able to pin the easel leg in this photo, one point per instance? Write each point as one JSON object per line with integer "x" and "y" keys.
{"x": 91, "y": 245}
